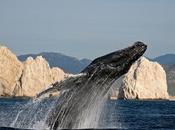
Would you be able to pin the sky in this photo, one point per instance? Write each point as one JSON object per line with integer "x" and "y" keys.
{"x": 87, "y": 28}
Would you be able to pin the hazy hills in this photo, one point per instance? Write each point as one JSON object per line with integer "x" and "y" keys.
{"x": 67, "y": 63}
{"x": 167, "y": 59}
{"x": 73, "y": 65}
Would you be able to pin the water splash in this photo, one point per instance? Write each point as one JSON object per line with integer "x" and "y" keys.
{"x": 33, "y": 115}
{"x": 73, "y": 109}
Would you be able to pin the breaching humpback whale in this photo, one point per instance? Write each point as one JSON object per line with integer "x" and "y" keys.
{"x": 80, "y": 93}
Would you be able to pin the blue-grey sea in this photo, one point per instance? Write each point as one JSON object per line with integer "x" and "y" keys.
{"x": 118, "y": 114}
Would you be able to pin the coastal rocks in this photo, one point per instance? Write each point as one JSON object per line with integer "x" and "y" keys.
{"x": 10, "y": 71}
{"x": 27, "y": 78}
{"x": 36, "y": 75}
{"x": 58, "y": 74}
{"x": 144, "y": 80}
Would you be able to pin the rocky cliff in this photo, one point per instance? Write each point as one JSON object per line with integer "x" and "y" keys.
{"x": 27, "y": 78}
{"x": 10, "y": 71}
{"x": 144, "y": 80}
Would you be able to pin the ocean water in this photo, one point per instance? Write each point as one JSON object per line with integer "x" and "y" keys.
{"x": 119, "y": 114}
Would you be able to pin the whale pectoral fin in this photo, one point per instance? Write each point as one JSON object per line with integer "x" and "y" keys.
{"x": 46, "y": 93}
{"x": 55, "y": 87}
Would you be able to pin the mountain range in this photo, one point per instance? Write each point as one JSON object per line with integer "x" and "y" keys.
{"x": 167, "y": 59}
{"x": 67, "y": 63}
{"x": 73, "y": 65}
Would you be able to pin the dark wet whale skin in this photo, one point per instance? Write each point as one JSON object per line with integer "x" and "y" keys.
{"x": 81, "y": 92}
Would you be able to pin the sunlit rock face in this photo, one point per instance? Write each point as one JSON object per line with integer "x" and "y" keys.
{"x": 28, "y": 78}
{"x": 144, "y": 80}
{"x": 58, "y": 74}
{"x": 10, "y": 71}
{"x": 37, "y": 75}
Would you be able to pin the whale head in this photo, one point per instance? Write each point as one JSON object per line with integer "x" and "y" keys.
{"x": 116, "y": 63}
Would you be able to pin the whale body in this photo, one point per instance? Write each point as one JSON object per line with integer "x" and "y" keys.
{"x": 81, "y": 93}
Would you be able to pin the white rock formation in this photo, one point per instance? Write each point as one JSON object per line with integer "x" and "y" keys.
{"x": 28, "y": 78}
{"x": 144, "y": 80}
{"x": 10, "y": 71}
{"x": 58, "y": 74}
{"x": 37, "y": 76}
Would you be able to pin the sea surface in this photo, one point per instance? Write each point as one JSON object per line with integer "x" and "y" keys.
{"x": 117, "y": 114}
